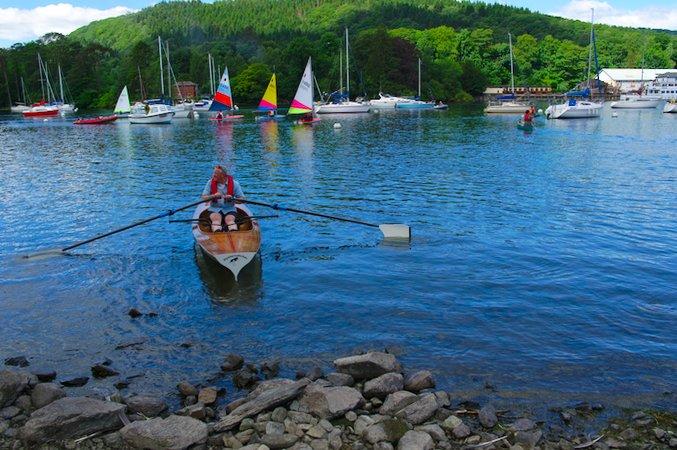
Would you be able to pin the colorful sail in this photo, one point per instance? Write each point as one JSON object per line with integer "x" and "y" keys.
{"x": 223, "y": 98}
{"x": 269, "y": 100}
{"x": 123, "y": 106}
{"x": 303, "y": 100}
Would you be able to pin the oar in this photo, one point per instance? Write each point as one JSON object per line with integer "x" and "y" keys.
{"x": 119, "y": 230}
{"x": 389, "y": 230}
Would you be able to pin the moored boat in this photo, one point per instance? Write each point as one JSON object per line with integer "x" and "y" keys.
{"x": 670, "y": 107}
{"x": 636, "y": 102}
{"x": 151, "y": 114}
{"x": 123, "y": 107}
{"x": 302, "y": 105}
{"x": 96, "y": 120}
{"x": 231, "y": 249}
{"x": 41, "y": 110}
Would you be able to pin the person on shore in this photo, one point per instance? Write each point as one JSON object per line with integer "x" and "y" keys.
{"x": 222, "y": 209}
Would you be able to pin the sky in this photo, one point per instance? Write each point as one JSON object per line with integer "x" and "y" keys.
{"x": 26, "y": 20}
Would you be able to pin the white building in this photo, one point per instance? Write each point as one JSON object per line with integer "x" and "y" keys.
{"x": 664, "y": 86}
{"x": 626, "y": 80}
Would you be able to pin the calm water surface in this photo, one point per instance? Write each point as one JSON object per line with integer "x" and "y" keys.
{"x": 543, "y": 264}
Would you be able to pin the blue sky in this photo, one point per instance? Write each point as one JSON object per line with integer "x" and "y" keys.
{"x": 25, "y": 20}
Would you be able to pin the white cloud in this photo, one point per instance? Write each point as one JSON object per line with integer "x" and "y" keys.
{"x": 18, "y": 25}
{"x": 648, "y": 16}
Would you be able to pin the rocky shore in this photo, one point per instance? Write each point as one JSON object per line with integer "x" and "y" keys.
{"x": 367, "y": 403}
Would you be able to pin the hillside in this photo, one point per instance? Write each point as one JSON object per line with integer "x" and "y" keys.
{"x": 463, "y": 46}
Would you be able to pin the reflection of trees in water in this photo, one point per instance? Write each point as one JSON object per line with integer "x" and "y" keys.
{"x": 220, "y": 285}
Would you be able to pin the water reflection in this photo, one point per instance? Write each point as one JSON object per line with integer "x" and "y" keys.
{"x": 220, "y": 285}
{"x": 270, "y": 135}
{"x": 224, "y": 142}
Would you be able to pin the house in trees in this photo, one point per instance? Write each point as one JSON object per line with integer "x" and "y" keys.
{"x": 185, "y": 89}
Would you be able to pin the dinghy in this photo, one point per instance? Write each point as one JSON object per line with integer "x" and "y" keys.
{"x": 223, "y": 100}
{"x": 123, "y": 108}
{"x": 96, "y": 120}
{"x": 302, "y": 105}
{"x": 268, "y": 105}
{"x": 232, "y": 249}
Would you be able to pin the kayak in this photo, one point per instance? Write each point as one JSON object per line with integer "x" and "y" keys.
{"x": 521, "y": 125}
{"x": 232, "y": 249}
{"x": 96, "y": 120}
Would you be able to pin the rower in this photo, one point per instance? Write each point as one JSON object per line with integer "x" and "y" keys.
{"x": 222, "y": 209}
{"x": 219, "y": 116}
{"x": 527, "y": 116}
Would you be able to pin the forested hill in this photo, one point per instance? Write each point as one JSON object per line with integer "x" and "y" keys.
{"x": 463, "y": 46}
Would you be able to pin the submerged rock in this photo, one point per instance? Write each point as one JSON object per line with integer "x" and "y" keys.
{"x": 75, "y": 382}
{"x": 17, "y": 361}
{"x": 71, "y": 417}
{"x": 368, "y": 365}
{"x": 231, "y": 362}
{"x": 103, "y": 371}
{"x": 174, "y": 432}
{"x": 488, "y": 417}
{"x": 186, "y": 389}
{"x": 45, "y": 376}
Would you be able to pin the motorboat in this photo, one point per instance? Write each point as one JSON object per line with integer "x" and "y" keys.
{"x": 574, "y": 109}
{"x": 343, "y": 107}
{"x": 151, "y": 114}
{"x": 386, "y": 101}
{"x": 670, "y": 106}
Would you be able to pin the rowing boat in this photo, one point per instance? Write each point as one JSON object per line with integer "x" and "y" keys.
{"x": 524, "y": 126}
{"x": 96, "y": 120}
{"x": 233, "y": 249}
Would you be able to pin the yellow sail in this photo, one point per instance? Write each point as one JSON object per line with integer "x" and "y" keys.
{"x": 269, "y": 100}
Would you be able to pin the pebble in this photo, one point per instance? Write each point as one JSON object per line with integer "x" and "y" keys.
{"x": 351, "y": 416}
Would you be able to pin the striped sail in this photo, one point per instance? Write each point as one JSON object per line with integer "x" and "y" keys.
{"x": 303, "y": 100}
{"x": 269, "y": 100}
{"x": 123, "y": 106}
{"x": 223, "y": 98}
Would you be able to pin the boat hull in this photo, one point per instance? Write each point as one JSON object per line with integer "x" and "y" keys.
{"x": 670, "y": 108}
{"x": 414, "y": 105}
{"x": 96, "y": 120}
{"x": 165, "y": 117}
{"x": 233, "y": 250}
{"x": 19, "y": 108}
{"x": 342, "y": 108}
{"x": 382, "y": 104}
{"x": 512, "y": 108}
{"x": 42, "y": 111}
{"x": 586, "y": 110}
{"x": 636, "y": 104}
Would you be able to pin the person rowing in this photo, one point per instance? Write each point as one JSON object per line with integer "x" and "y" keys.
{"x": 222, "y": 209}
{"x": 527, "y": 116}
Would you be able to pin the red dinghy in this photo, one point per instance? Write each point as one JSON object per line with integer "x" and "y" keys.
{"x": 96, "y": 120}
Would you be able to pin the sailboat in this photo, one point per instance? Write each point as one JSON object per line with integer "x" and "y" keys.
{"x": 63, "y": 106}
{"x": 416, "y": 103}
{"x": 22, "y": 105}
{"x": 507, "y": 103}
{"x": 303, "y": 99}
{"x": 123, "y": 107}
{"x": 268, "y": 104}
{"x": 637, "y": 100}
{"x": 340, "y": 103}
{"x": 584, "y": 108}
{"x": 43, "y": 108}
{"x": 223, "y": 100}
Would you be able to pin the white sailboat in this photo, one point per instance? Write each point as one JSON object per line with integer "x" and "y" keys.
{"x": 302, "y": 104}
{"x": 343, "y": 105}
{"x": 22, "y": 105}
{"x": 123, "y": 107}
{"x": 507, "y": 104}
{"x": 416, "y": 103}
{"x": 574, "y": 108}
{"x": 62, "y": 104}
{"x": 637, "y": 100}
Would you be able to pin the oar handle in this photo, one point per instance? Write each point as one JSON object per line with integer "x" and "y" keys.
{"x": 310, "y": 213}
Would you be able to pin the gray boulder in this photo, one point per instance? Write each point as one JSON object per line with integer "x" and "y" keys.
{"x": 385, "y": 384}
{"x": 146, "y": 405}
{"x": 419, "y": 381}
{"x": 172, "y": 433}
{"x": 434, "y": 430}
{"x": 397, "y": 401}
{"x": 419, "y": 411}
{"x": 340, "y": 379}
{"x": 389, "y": 430}
{"x": 71, "y": 417}
{"x": 232, "y": 362}
{"x": 415, "y": 440}
{"x": 331, "y": 402}
{"x": 367, "y": 366}
{"x": 275, "y": 441}
{"x": 266, "y": 400}
{"x": 488, "y": 417}
{"x": 45, "y": 393}
{"x": 12, "y": 383}
{"x": 461, "y": 431}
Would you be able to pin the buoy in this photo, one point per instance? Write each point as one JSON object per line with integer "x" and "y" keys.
{"x": 44, "y": 120}
{"x": 375, "y": 111}
{"x": 337, "y": 125}
{"x": 540, "y": 111}
{"x": 614, "y": 114}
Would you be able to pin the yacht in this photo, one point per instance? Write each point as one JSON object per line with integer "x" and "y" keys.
{"x": 636, "y": 101}
{"x": 415, "y": 103}
{"x": 386, "y": 101}
{"x": 508, "y": 104}
{"x": 664, "y": 86}
{"x": 153, "y": 113}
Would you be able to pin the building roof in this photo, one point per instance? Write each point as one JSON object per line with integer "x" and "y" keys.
{"x": 186, "y": 83}
{"x": 618, "y": 74}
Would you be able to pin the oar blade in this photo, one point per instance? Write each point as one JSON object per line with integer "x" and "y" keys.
{"x": 45, "y": 254}
{"x": 395, "y": 231}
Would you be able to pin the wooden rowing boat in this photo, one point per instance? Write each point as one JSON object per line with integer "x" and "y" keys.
{"x": 233, "y": 249}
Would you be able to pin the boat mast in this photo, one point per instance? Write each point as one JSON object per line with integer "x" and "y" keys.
{"x": 211, "y": 74}
{"x": 419, "y": 78}
{"x": 312, "y": 91}
{"x": 63, "y": 99}
{"x": 42, "y": 84}
{"x": 143, "y": 94}
{"x": 347, "y": 68}
{"x": 341, "y": 68}
{"x": 512, "y": 70}
{"x": 592, "y": 21}
{"x": 162, "y": 80}
{"x": 169, "y": 71}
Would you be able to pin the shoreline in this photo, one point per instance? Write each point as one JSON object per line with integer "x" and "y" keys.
{"x": 369, "y": 402}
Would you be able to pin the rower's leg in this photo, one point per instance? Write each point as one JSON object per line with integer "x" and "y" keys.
{"x": 215, "y": 218}
{"x": 230, "y": 222}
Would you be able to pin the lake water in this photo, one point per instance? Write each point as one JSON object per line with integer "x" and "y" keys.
{"x": 542, "y": 264}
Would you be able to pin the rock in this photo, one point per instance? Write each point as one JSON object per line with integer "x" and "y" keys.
{"x": 415, "y": 440}
{"x": 17, "y": 361}
{"x": 103, "y": 371}
{"x": 331, "y": 402}
{"x": 186, "y": 389}
{"x": 146, "y": 405}
{"x": 523, "y": 425}
{"x": 351, "y": 416}
{"x": 268, "y": 385}
{"x": 197, "y": 411}
{"x": 71, "y": 417}
{"x": 488, "y": 417}
{"x": 383, "y": 446}
{"x": 266, "y": 400}
{"x": 12, "y": 385}
{"x": 300, "y": 417}
{"x": 461, "y": 431}
{"x": 419, "y": 381}
{"x": 9, "y": 412}
{"x": 275, "y": 441}
{"x": 134, "y": 313}
{"x": 434, "y": 430}
{"x": 368, "y": 365}
{"x": 270, "y": 369}
{"x": 24, "y": 403}
{"x": 319, "y": 444}
{"x": 528, "y": 439}
{"x": 419, "y": 411}
{"x": 208, "y": 395}
{"x": 316, "y": 431}
{"x": 628, "y": 434}
{"x": 275, "y": 428}
{"x": 174, "y": 432}
{"x": 340, "y": 379}
{"x": 397, "y": 401}
{"x": 315, "y": 373}
{"x": 673, "y": 443}
{"x": 45, "y": 376}
{"x": 45, "y": 393}
{"x": 380, "y": 387}
{"x": 75, "y": 382}
{"x": 390, "y": 430}
{"x": 442, "y": 399}
{"x": 278, "y": 414}
{"x": 659, "y": 433}
{"x": 232, "y": 362}
{"x": 362, "y": 423}
{"x": 244, "y": 378}
{"x": 615, "y": 443}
